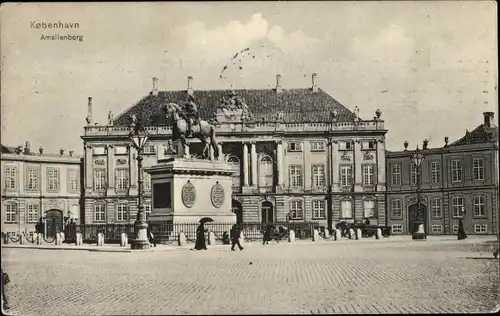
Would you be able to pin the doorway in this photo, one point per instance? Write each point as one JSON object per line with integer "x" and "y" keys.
{"x": 267, "y": 212}
{"x": 54, "y": 222}
{"x": 417, "y": 213}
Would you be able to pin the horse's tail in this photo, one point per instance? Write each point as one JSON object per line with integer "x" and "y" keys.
{"x": 213, "y": 142}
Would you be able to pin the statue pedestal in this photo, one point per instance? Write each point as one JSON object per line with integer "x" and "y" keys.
{"x": 186, "y": 190}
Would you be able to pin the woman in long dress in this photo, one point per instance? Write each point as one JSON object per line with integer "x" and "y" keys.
{"x": 461, "y": 231}
{"x": 200, "y": 238}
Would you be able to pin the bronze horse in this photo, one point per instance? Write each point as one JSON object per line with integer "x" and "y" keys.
{"x": 203, "y": 130}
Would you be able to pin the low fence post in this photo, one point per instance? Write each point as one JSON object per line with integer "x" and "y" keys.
{"x": 242, "y": 238}
{"x": 291, "y": 236}
{"x": 211, "y": 238}
{"x": 327, "y": 232}
{"x": 123, "y": 240}
{"x": 315, "y": 235}
{"x": 181, "y": 239}
{"x": 351, "y": 233}
{"x": 39, "y": 239}
{"x": 100, "y": 239}
{"x": 338, "y": 234}
{"x": 58, "y": 239}
{"x": 379, "y": 233}
{"x": 79, "y": 239}
{"x": 359, "y": 234}
{"x": 21, "y": 239}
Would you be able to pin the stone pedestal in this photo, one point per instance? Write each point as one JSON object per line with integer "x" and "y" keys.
{"x": 186, "y": 190}
{"x": 291, "y": 236}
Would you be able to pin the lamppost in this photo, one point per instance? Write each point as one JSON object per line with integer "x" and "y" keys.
{"x": 139, "y": 137}
{"x": 419, "y": 233}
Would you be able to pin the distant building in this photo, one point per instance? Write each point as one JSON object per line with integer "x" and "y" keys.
{"x": 288, "y": 148}
{"x": 37, "y": 185}
{"x": 456, "y": 178}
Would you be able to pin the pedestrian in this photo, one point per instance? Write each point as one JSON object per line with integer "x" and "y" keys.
{"x": 151, "y": 238}
{"x": 5, "y": 280}
{"x": 225, "y": 238}
{"x": 235, "y": 237}
{"x": 267, "y": 235}
{"x": 201, "y": 243}
{"x": 461, "y": 232}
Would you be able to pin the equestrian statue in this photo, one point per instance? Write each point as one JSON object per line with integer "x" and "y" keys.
{"x": 186, "y": 123}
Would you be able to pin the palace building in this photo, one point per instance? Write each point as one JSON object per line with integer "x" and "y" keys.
{"x": 298, "y": 155}
{"x": 39, "y": 185}
{"x": 457, "y": 180}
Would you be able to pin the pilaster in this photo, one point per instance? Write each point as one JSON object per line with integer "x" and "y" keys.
{"x": 335, "y": 157}
{"x": 279, "y": 162}
{"x": 253, "y": 160}
{"x": 132, "y": 169}
{"x": 358, "y": 158}
{"x": 307, "y": 165}
{"x": 111, "y": 169}
{"x": 381, "y": 186}
{"x": 88, "y": 170}
{"x": 245, "y": 164}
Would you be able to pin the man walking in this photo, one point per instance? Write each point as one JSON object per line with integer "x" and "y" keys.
{"x": 235, "y": 237}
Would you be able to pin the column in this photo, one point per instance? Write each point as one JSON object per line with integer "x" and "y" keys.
{"x": 132, "y": 170}
{"x": 245, "y": 164}
{"x": 111, "y": 169}
{"x": 88, "y": 168}
{"x": 358, "y": 158}
{"x": 380, "y": 166}
{"x": 221, "y": 155}
{"x": 279, "y": 162}
{"x": 253, "y": 159}
{"x": 334, "y": 165}
{"x": 307, "y": 181}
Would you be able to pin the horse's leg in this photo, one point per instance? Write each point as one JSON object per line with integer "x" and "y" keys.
{"x": 184, "y": 146}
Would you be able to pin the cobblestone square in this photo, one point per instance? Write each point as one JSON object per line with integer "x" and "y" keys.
{"x": 325, "y": 277}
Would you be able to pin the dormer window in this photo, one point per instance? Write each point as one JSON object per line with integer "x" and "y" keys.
{"x": 295, "y": 146}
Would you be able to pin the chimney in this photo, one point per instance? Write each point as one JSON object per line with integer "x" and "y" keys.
{"x": 314, "y": 86}
{"x": 61, "y": 151}
{"x": 155, "y": 86}
{"x": 71, "y": 153}
{"x": 40, "y": 150}
{"x": 190, "y": 86}
{"x": 27, "y": 148}
{"x": 488, "y": 118}
{"x": 278, "y": 83}
{"x": 89, "y": 111}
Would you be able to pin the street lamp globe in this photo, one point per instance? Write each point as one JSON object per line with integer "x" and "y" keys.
{"x": 139, "y": 137}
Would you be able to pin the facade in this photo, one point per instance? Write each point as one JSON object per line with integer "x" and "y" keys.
{"x": 37, "y": 185}
{"x": 457, "y": 180}
{"x": 298, "y": 155}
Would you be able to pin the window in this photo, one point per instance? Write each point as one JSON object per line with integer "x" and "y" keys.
{"x": 73, "y": 179}
{"x": 436, "y": 208}
{"x": 368, "y": 175}
{"x": 122, "y": 212}
{"x": 478, "y": 168}
{"x": 234, "y": 162}
{"x": 149, "y": 149}
{"x": 397, "y": 229}
{"x": 457, "y": 203}
{"x": 346, "y": 208}
{"x": 414, "y": 174}
{"x": 121, "y": 150}
{"x": 318, "y": 176}
{"x": 368, "y": 145}
{"x": 455, "y": 229}
{"x": 346, "y": 175}
{"x": 437, "y": 229}
{"x": 397, "y": 209}
{"x": 10, "y": 178}
{"x": 33, "y": 213}
{"x": 318, "y": 207}
{"x": 345, "y": 146}
{"x": 479, "y": 208}
{"x": 147, "y": 208}
{"x": 146, "y": 181}
{"x": 32, "y": 179}
{"x": 481, "y": 229}
{"x": 266, "y": 174}
{"x": 369, "y": 208}
{"x": 456, "y": 170}
{"x": 100, "y": 212}
{"x": 317, "y": 146}
{"x": 435, "y": 171}
{"x": 11, "y": 213}
{"x": 121, "y": 179}
{"x": 396, "y": 174}
{"x": 295, "y": 146}
{"x": 296, "y": 209}
{"x": 296, "y": 176}
{"x": 74, "y": 211}
{"x": 99, "y": 179}
{"x": 53, "y": 179}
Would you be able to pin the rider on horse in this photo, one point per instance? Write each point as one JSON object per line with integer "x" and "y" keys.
{"x": 190, "y": 114}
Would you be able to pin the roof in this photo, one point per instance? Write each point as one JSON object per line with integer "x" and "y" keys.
{"x": 480, "y": 134}
{"x": 297, "y": 105}
{"x": 6, "y": 150}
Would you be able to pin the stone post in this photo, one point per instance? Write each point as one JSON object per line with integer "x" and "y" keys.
{"x": 123, "y": 240}
{"x": 327, "y": 233}
{"x": 182, "y": 239}
{"x": 379, "y": 233}
{"x": 39, "y": 239}
{"x": 58, "y": 239}
{"x": 338, "y": 235}
{"x": 100, "y": 240}
{"x": 63, "y": 237}
{"x": 291, "y": 236}
{"x": 351, "y": 233}
{"x": 21, "y": 239}
{"x": 315, "y": 235}
{"x": 242, "y": 238}
{"x": 359, "y": 235}
{"x": 211, "y": 238}
{"x": 79, "y": 239}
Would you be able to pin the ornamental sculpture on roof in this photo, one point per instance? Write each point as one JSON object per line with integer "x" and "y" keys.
{"x": 232, "y": 108}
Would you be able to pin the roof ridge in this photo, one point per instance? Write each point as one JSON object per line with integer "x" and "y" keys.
{"x": 130, "y": 107}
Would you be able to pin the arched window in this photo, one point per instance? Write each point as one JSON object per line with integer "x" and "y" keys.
{"x": 11, "y": 212}
{"x": 234, "y": 162}
{"x": 266, "y": 171}
{"x": 100, "y": 212}
{"x": 122, "y": 212}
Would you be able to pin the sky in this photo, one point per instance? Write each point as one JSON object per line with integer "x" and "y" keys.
{"x": 430, "y": 67}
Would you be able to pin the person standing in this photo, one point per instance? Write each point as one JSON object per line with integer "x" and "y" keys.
{"x": 5, "y": 280}
{"x": 201, "y": 243}
{"x": 461, "y": 231}
{"x": 267, "y": 235}
{"x": 151, "y": 238}
{"x": 235, "y": 237}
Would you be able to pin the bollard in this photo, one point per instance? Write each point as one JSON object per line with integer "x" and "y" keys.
{"x": 338, "y": 235}
{"x": 63, "y": 238}
{"x": 100, "y": 240}
{"x": 211, "y": 238}
{"x": 79, "y": 239}
{"x": 6, "y": 239}
{"x": 242, "y": 238}
{"x": 39, "y": 240}
{"x": 181, "y": 239}
{"x": 21, "y": 239}
{"x": 291, "y": 236}
{"x": 327, "y": 233}
{"x": 315, "y": 235}
{"x": 123, "y": 240}
{"x": 359, "y": 234}
{"x": 58, "y": 239}
{"x": 379, "y": 233}
{"x": 351, "y": 233}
